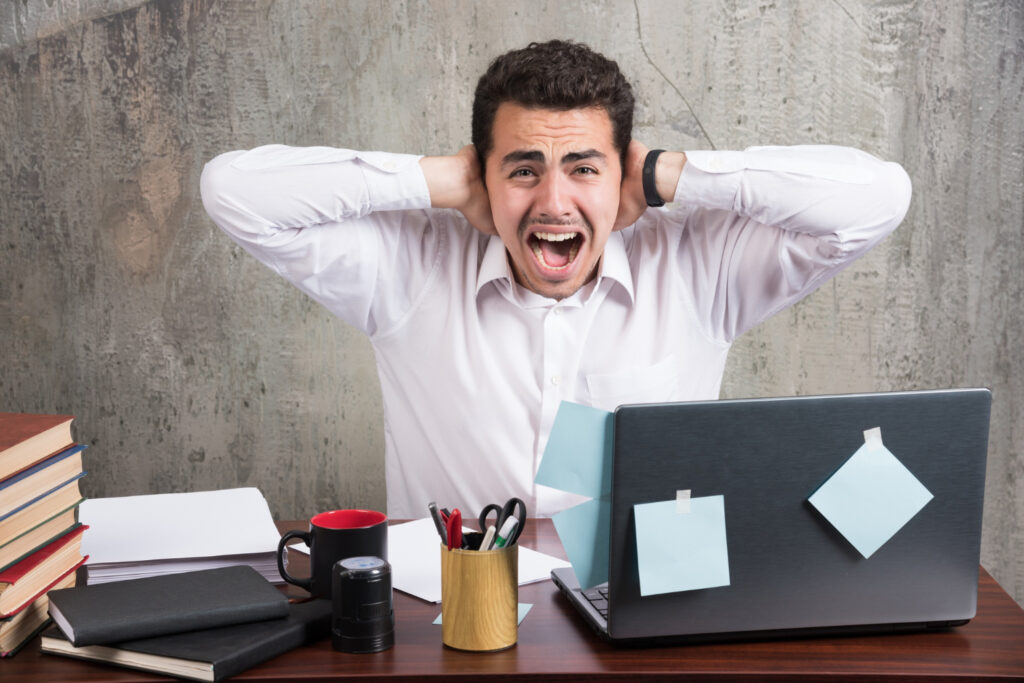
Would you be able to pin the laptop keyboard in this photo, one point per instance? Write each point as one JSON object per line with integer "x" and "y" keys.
{"x": 598, "y": 597}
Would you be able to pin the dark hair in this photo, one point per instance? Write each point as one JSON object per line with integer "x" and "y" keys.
{"x": 556, "y": 75}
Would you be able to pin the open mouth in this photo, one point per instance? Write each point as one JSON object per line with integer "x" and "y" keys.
{"x": 555, "y": 250}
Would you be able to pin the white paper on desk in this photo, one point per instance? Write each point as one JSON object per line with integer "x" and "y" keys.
{"x": 414, "y": 555}
{"x": 177, "y": 526}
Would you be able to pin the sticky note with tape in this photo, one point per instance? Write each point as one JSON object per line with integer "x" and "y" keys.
{"x": 871, "y": 497}
{"x": 681, "y": 552}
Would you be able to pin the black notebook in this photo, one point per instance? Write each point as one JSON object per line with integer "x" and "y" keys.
{"x": 212, "y": 654}
{"x": 161, "y": 605}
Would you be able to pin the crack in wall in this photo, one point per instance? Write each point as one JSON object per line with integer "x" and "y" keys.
{"x": 847, "y": 13}
{"x": 640, "y": 37}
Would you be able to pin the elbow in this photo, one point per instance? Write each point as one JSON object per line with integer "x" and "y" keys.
{"x": 883, "y": 204}
{"x": 213, "y": 185}
{"x": 898, "y": 190}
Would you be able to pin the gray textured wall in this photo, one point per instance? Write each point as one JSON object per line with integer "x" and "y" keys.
{"x": 190, "y": 366}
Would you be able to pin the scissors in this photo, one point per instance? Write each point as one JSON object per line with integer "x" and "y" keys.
{"x": 453, "y": 527}
{"x": 514, "y": 507}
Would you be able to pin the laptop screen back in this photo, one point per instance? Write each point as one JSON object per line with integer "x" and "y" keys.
{"x": 788, "y": 566}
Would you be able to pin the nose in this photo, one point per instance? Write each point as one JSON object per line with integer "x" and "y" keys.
{"x": 553, "y": 196}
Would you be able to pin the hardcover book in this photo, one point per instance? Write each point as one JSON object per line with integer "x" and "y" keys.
{"x": 25, "y": 439}
{"x": 45, "y": 477}
{"x": 45, "y": 507}
{"x": 18, "y": 629}
{"x": 25, "y": 581}
{"x": 161, "y": 605}
{"x": 209, "y": 655}
{"x": 47, "y": 530}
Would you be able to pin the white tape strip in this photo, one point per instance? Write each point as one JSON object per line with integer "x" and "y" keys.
{"x": 683, "y": 501}
{"x": 873, "y": 435}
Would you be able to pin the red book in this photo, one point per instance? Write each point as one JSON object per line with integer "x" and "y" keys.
{"x": 25, "y": 581}
{"x": 26, "y": 439}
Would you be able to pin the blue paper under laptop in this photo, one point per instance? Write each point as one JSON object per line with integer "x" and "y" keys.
{"x": 787, "y": 517}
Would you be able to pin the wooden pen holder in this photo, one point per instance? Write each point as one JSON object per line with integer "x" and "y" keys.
{"x": 480, "y": 598}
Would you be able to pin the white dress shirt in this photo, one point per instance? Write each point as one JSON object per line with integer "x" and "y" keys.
{"x": 472, "y": 366}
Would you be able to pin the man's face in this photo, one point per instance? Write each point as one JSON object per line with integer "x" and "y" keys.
{"x": 553, "y": 179}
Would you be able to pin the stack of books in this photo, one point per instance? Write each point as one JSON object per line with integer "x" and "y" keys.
{"x": 203, "y": 625}
{"x": 40, "y": 537}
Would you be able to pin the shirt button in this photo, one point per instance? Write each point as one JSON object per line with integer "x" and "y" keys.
{"x": 556, "y": 379}
{"x": 389, "y": 165}
{"x": 558, "y": 311}
{"x": 714, "y": 164}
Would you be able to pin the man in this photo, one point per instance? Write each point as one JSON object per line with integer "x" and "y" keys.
{"x": 528, "y": 268}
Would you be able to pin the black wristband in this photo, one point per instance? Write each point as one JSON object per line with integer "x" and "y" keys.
{"x": 650, "y": 188}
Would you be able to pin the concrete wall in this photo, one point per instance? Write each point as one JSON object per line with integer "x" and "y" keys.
{"x": 190, "y": 366}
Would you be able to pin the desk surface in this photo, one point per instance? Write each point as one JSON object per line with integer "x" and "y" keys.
{"x": 555, "y": 644}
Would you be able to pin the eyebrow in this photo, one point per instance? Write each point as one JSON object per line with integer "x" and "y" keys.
{"x": 580, "y": 156}
{"x": 535, "y": 155}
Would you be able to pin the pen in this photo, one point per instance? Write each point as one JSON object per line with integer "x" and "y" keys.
{"x": 454, "y": 527}
{"x": 507, "y": 529}
{"x": 488, "y": 538}
{"x": 432, "y": 506}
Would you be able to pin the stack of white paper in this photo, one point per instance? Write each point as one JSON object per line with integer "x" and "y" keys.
{"x": 139, "y": 536}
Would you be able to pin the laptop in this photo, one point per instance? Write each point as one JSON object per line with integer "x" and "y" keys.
{"x": 791, "y": 573}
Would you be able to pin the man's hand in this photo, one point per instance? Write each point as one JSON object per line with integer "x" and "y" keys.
{"x": 632, "y": 202}
{"x": 631, "y": 194}
{"x": 455, "y": 182}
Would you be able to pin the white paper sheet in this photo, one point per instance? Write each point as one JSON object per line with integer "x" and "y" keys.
{"x": 177, "y": 526}
{"x": 414, "y": 555}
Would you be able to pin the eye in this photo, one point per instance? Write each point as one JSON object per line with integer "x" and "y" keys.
{"x": 586, "y": 170}
{"x": 521, "y": 173}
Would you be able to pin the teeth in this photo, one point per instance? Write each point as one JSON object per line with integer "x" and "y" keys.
{"x": 555, "y": 236}
{"x": 540, "y": 256}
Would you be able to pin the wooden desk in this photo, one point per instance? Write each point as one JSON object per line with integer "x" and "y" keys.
{"x": 554, "y": 644}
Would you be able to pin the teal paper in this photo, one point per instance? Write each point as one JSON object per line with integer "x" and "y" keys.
{"x": 871, "y": 497}
{"x": 578, "y": 455}
{"x": 584, "y": 531}
{"x": 578, "y": 459}
{"x": 681, "y": 551}
{"x": 524, "y": 607}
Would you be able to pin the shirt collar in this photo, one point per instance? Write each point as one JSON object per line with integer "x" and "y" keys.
{"x": 614, "y": 264}
{"x": 494, "y": 265}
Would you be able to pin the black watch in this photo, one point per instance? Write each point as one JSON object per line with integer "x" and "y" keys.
{"x": 650, "y": 188}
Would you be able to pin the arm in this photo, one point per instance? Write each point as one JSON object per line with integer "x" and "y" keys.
{"x": 273, "y": 192}
{"x": 765, "y": 227}
{"x": 337, "y": 223}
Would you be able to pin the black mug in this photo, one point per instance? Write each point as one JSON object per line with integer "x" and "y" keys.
{"x": 334, "y": 536}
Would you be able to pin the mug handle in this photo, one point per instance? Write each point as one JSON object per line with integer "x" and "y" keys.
{"x": 306, "y": 583}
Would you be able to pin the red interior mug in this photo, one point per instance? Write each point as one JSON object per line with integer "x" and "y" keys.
{"x": 332, "y": 536}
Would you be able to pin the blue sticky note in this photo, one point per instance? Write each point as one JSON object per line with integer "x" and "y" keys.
{"x": 871, "y": 497}
{"x": 584, "y": 530}
{"x": 578, "y": 455}
{"x": 681, "y": 551}
{"x": 524, "y": 607}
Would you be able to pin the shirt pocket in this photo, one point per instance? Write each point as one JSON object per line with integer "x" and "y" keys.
{"x": 652, "y": 384}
